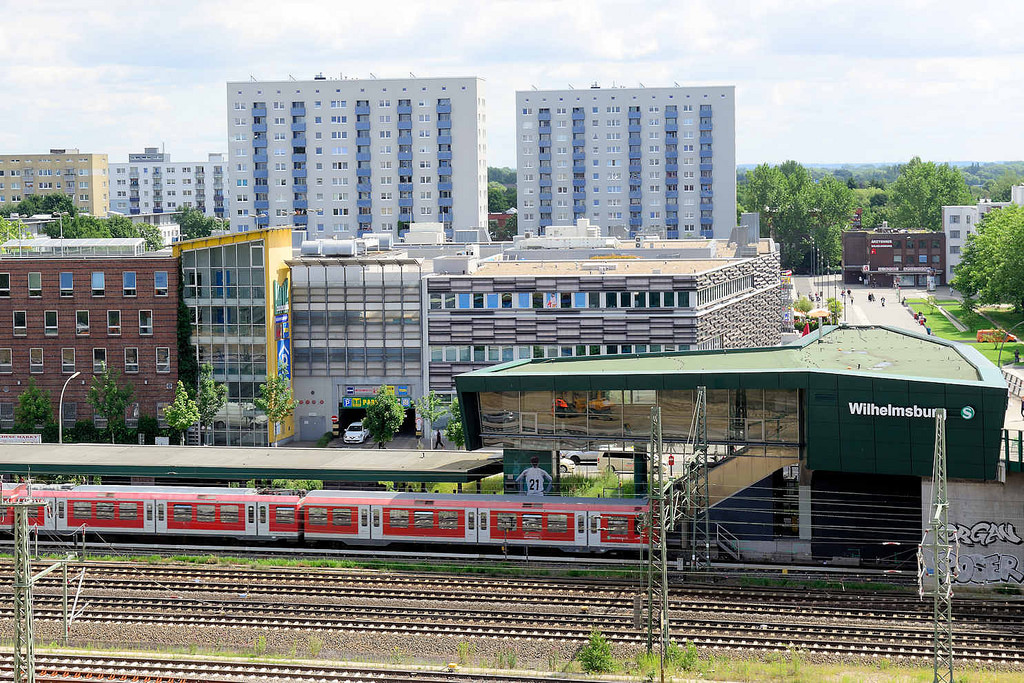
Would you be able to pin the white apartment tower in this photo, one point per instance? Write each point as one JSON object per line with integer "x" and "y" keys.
{"x": 332, "y": 157}
{"x": 652, "y": 161}
{"x": 150, "y": 183}
{"x": 960, "y": 221}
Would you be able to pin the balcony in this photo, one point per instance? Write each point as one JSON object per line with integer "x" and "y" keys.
{"x": 707, "y": 220}
{"x": 300, "y": 204}
{"x": 364, "y": 218}
{"x": 544, "y": 116}
{"x": 404, "y": 109}
{"x": 636, "y": 194}
{"x": 706, "y": 154}
{"x": 362, "y": 156}
{"x": 579, "y": 182}
{"x": 634, "y": 128}
{"x": 706, "y": 194}
{"x": 544, "y": 130}
{"x": 444, "y": 124}
{"x": 546, "y": 156}
{"x": 444, "y": 156}
{"x": 578, "y": 116}
{"x": 444, "y": 201}
{"x": 363, "y": 172}
{"x": 579, "y": 168}
{"x": 444, "y": 108}
{"x": 634, "y": 140}
{"x": 298, "y": 141}
{"x": 634, "y": 154}
{"x": 362, "y": 125}
{"x": 298, "y": 173}
{"x": 261, "y": 187}
{"x": 544, "y": 209}
{"x": 364, "y": 203}
{"x": 671, "y": 127}
{"x": 705, "y": 126}
{"x": 299, "y": 187}
{"x": 545, "y": 169}
{"x": 579, "y": 129}
{"x": 444, "y": 139}
{"x": 671, "y": 154}
{"x": 300, "y": 219}
{"x": 259, "y": 111}
{"x": 405, "y": 156}
{"x": 299, "y": 110}
{"x": 261, "y": 204}
{"x": 362, "y": 109}
{"x": 260, "y": 174}
{"x": 672, "y": 220}
{"x": 259, "y": 158}
{"x": 672, "y": 168}
{"x": 298, "y": 127}
{"x": 444, "y": 187}
{"x": 298, "y": 157}
{"x": 707, "y": 207}
{"x": 444, "y": 168}
{"x": 405, "y": 216}
{"x": 545, "y": 196}
{"x": 405, "y": 125}
{"x": 673, "y": 207}
{"x": 707, "y": 180}
{"x": 636, "y": 168}
{"x": 707, "y": 166}
{"x": 706, "y": 139}
{"x": 544, "y": 222}
{"x": 579, "y": 195}
{"x": 134, "y": 210}
{"x": 259, "y": 128}
{"x": 671, "y": 194}
{"x": 363, "y": 187}
{"x": 579, "y": 156}
{"x": 405, "y": 202}
{"x": 545, "y": 183}
{"x": 259, "y": 142}
{"x": 636, "y": 222}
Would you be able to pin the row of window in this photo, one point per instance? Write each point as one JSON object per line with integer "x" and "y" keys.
{"x": 36, "y": 362}
{"x": 546, "y": 300}
{"x": 97, "y": 281}
{"x": 921, "y": 258}
{"x": 51, "y": 326}
{"x": 503, "y": 354}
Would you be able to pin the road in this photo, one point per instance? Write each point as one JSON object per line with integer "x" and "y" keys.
{"x": 864, "y": 312}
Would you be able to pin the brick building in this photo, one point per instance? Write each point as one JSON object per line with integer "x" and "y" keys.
{"x": 81, "y": 306}
{"x": 886, "y": 257}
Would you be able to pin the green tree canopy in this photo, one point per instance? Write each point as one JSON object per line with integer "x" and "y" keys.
{"x": 453, "y": 430}
{"x": 990, "y": 268}
{"x": 497, "y": 202}
{"x": 999, "y": 189}
{"x": 10, "y": 230}
{"x": 182, "y": 413}
{"x": 109, "y": 399}
{"x": 922, "y": 189}
{"x": 384, "y": 416}
{"x": 276, "y": 402}
{"x": 79, "y": 227}
{"x": 210, "y": 398}
{"x": 122, "y": 226}
{"x": 35, "y": 204}
{"x": 193, "y": 223}
{"x": 34, "y": 409}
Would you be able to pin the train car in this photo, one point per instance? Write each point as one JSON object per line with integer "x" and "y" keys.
{"x": 616, "y": 523}
{"x": 336, "y": 515}
{"x": 437, "y": 518}
{"x": 42, "y": 517}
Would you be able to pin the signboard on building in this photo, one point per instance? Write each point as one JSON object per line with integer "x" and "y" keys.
{"x": 400, "y": 390}
{"x": 281, "y": 296}
{"x": 364, "y": 401}
{"x": 881, "y": 243}
{"x": 21, "y": 438}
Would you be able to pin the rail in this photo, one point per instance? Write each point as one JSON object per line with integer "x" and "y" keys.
{"x": 727, "y": 541}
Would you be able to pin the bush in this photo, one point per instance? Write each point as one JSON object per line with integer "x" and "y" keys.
{"x": 682, "y": 658}
{"x": 596, "y": 655}
{"x": 84, "y": 431}
{"x": 324, "y": 440}
{"x": 149, "y": 428}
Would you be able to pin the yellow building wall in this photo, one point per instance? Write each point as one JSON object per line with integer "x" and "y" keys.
{"x": 98, "y": 203}
{"x": 277, "y": 247}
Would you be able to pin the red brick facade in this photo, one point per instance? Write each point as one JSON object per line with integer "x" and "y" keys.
{"x": 21, "y": 361}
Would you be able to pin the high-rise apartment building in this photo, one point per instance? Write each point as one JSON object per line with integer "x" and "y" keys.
{"x": 151, "y": 183}
{"x": 653, "y": 161}
{"x": 960, "y": 221}
{"x": 333, "y": 157}
{"x": 83, "y": 177}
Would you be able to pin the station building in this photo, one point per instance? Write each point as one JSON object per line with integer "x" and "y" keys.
{"x": 820, "y": 451}
{"x": 886, "y": 257}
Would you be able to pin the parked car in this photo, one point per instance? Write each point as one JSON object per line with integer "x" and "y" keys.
{"x": 356, "y": 433}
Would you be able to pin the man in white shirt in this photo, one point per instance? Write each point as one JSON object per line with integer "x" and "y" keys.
{"x": 534, "y": 481}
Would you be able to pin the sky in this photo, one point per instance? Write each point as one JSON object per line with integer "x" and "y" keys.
{"x": 817, "y": 81}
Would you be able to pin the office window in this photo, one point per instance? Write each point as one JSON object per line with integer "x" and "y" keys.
{"x": 67, "y": 361}
{"x": 160, "y": 282}
{"x": 145, "y": 322}
{"x": 50, "y": 323}
{"x": 20, "y": 323}
{"x": 128, "y": 283}
{"x": 81, "y": 322}
{"x": 131, "y": 360}
{"x": 67, "y": 284}
{"x": 99, "y": 360}
{"x": 98, "y": 284}
{"x": 35, "y": 284}
{"x": 5, "y": 284}
{"x": 35, "y": 360}
{"x": 113, "y": 323}
{"x": 163, "y": 359}
{"x": 6, "y": 360}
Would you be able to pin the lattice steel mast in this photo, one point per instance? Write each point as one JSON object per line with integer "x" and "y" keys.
{"x": 24, "y": 645}
{"x": 657, "y": 548}
{"x": 943, "y": 553}
{"x": 696, "y": 484}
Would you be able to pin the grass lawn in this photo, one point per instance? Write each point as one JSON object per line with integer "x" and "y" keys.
{"x": 941, "y": 327}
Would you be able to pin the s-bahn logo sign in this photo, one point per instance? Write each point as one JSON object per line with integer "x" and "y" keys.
{"x": 889, "y": 410}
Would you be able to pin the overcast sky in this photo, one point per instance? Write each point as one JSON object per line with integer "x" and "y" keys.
{"x": 816, "y": 81}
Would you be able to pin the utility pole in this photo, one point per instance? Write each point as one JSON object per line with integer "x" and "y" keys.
{"x": 657, "y": 549}
{"x": 942, "y": 549}
{"x": 24, "y": 642}
{"x": 698, "y": 499}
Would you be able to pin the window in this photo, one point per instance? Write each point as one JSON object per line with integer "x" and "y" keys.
{"x": 35, "y": 284}
{"x": 50, "y": 323}
{"x": 113, "y": 323}
{"x": 6, "y": 360}
{"x": 5, "y": 284}
{"x": 131, "y": 360}
{"x": 398, "y": 519}
{"x": 98, "y": 284}
{"x": 163, "y": 359}
{"x": 128, "y": 283}
{"x": 160, "y": 282}
{"x": 99, "y": 360}
{"x": 182, "y": 512}
{"x": 35, "y": 360}
{"x": 20, "y": 323}
{"x": 82, "y": 322}
{"x": 284, "y": 515}
{"x": 67, "y": 361}
{"x": 67, "y": 284}
{"x": 145, "y": 323}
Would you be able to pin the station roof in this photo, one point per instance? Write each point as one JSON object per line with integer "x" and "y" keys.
{"x": 608, "y": 267}
{"x": 873, "y": 351}
{"x": 241, "y": 463}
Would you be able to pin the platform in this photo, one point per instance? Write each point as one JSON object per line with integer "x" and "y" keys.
{"x": 234, "y": 463}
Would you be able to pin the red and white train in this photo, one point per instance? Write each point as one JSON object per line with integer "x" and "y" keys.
{"x": 351, "y": 517}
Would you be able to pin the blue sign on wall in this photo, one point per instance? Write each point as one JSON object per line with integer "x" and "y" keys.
{"x": 284, "y": 359}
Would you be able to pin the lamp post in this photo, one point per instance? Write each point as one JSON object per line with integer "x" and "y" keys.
{"x": 60, "y": 408}
{"x": 59, "y": 215}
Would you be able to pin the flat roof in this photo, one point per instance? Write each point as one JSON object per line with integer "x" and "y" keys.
{"x": 602, "y": 267}
{"x": 241, "y": 463}
{"x": 869, "y": 350}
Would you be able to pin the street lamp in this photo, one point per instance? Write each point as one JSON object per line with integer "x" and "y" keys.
{"x": 60, "y": 408}
{"x": 59, "y": 215}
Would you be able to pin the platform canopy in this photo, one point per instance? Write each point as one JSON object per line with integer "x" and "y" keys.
{"x": 243, "y": 463}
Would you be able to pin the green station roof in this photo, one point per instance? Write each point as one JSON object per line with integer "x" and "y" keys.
{"x": 242, "y": 463}
{"x": 873, "y": 351}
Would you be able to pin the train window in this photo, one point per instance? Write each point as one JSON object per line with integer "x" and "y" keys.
{"x": 317, "y": 516}
{"x": 505, "y": 521}
{"x": 617, "y": 526}
{"x": 580, "y": 528}
{"x": 104, "y": 511}
{"x": 284, "y": 515}
{"x": 557, "y": 524}
{"x": 128, "y": 510}
{"x": 229, "y": 514}
{"x": 251, "y": 515}
{"x": 60, "y": 509}
{"x": 182, "y": 512}
{"x": 263, "y": 514}
{"x": 149, "y": 512}
{"x": 472, "y": 521}
{"x": 362, "y": 517}
{"x": 638, "y": 526}
{"x": 398, "y": 519}
{"x": 206, "y": 513}
{"x": 376, "y": 518}
{"x": 532, "y": 523}
{"x": 160, "y": 512}
{"x": 423, "y": 520}
{"x": 483, "y": 521}
{"x": 343, "y": 516}
{"x": 82, "y": 509}
{"x": 593, "y": 524}
{"x": 447, "y": 519}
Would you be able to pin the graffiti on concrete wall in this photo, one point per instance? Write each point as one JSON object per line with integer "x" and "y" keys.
{"x": 994, "y": 568}
{"x": 986, "y": 533}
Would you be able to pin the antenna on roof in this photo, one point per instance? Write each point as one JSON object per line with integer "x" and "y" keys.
{"x": 677, "y": 84}
{"x": 412, "y": 75}
{"x": 642, "y": 85}
{"x": 534, "y": 87}
{"x": 252, "y": 78}
{"x": 570, "y": 87}
{"x": 373, "y": 75}
{"x": 290, "y": 77}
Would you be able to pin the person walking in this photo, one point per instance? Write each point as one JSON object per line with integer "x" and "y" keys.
{"x": 438, "y": 443}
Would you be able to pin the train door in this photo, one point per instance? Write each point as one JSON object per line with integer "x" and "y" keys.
{"x": 251, "y": 528}
{"x": 160, "y": 524}
{"x": 263, "y": 520}
{"x": 376, "y": 531}
{"x": 594, "y": 529}
{"x": 149, "y": 521}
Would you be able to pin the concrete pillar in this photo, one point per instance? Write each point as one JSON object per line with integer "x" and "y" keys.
{"x": 804, "y": 508}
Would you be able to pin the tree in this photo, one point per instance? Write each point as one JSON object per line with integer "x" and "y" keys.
{"x": 182, "y": 413}
{"x": 990, "y": 268}
{"x": 504, "y": 175}
{"x": 496, "y": 200}
{"x": 193, "y": 223}
{"x": 999, "y": 189}
{"x": 276, "y": 402}
{"x": 79, "y": 227}
{"x": 431, "y": 408}
{"x": 188, "y": 366}
{"x": 109, "y": 399}
{"x": 34, "y": 409}
{"x": 122, "y": 226}
{"x": 384, "y": 416}
{"x": 453, "y": 430}
{"x": 804, "y": 305}
{"x": 210, "y": 398}
{"x": 596, "y": 656}
{"x": 506, "y": 233}
{"x": 835, "y": 308}
{"x": 922, "y": 189}
{"x": 10, "y": 230}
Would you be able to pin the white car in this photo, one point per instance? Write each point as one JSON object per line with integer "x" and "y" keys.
{"x": 356, "y": 433}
